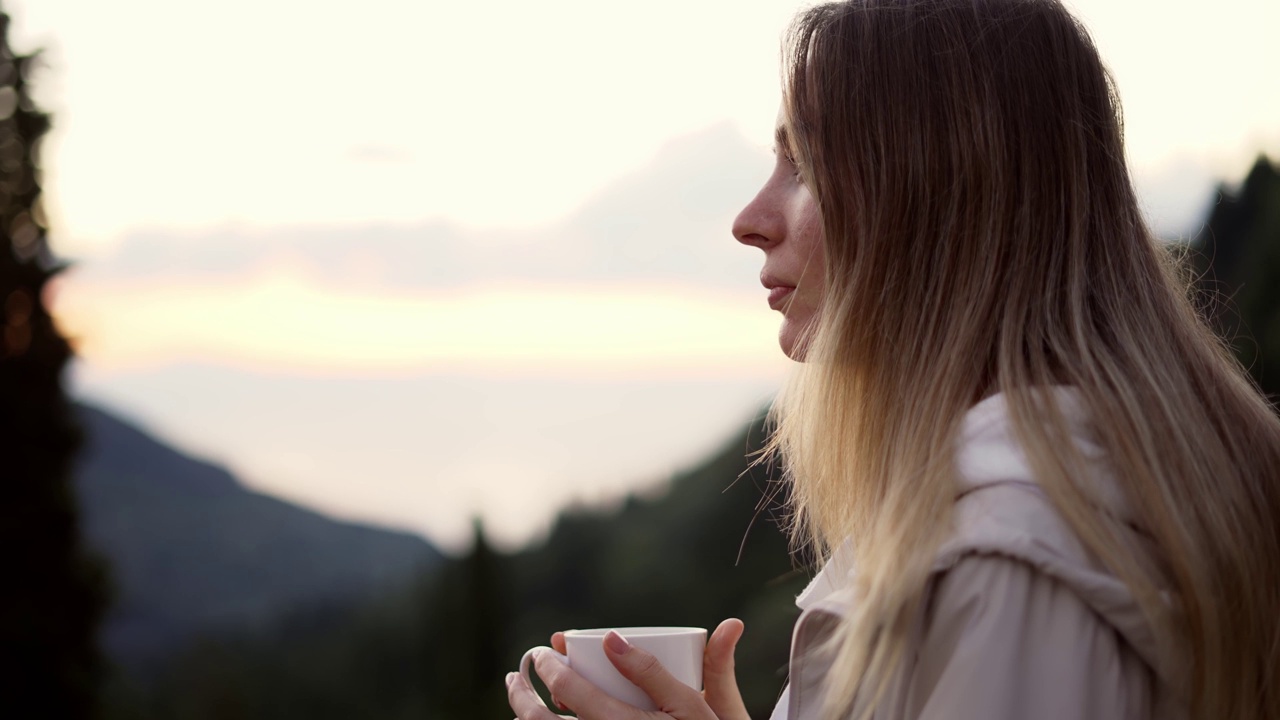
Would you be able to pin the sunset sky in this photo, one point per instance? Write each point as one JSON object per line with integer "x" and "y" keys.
{"x": 407, "y": 262}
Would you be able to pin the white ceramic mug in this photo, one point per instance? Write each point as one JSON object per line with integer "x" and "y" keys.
{"x": 679, "y": 649}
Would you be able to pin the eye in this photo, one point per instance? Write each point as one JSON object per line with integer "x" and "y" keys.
{"x": 796, "y": 166}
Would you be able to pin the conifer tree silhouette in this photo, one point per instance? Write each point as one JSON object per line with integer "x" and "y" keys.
{"x": 468, "y": 615}
{"x": 55, "y": 592}
{"x": 1239, "y": 257}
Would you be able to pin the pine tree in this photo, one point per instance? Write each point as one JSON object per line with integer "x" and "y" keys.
{"x": 468, "y": 616}
{"x": 1240, "y": 261}
{"x": 54, "y": 597}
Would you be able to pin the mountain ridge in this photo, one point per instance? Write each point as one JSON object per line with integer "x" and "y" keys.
{"x": 194, "y": 551}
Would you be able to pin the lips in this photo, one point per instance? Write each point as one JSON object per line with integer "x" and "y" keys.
{"x": 779, "y": 290}
{"x": 778, "y": 295}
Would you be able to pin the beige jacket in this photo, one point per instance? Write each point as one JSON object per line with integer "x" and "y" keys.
{"x": 1020, "y": 621}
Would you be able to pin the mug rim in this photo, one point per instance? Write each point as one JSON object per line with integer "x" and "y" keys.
{"x": 642, "y": 631}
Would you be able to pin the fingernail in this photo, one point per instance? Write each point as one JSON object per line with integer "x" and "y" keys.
{"x": 616, "y": 643}
{"x": 511, "y": 677}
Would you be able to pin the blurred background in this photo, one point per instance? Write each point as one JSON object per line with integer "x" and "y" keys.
{"x": 406, "y": 333}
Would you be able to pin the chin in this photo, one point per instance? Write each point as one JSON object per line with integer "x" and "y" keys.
{"x": 796, "y": 334}
{"x": 792, "y": 345}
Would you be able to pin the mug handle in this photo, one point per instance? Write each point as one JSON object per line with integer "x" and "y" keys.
{"x": 527, "y": 661}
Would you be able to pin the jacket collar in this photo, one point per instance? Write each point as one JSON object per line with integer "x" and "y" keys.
{"x": 988, "y": 451}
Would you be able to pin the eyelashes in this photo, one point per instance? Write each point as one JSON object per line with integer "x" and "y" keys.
{"x": 797, "y": 168}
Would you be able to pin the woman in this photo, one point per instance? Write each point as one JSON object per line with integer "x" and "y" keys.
{"x": 1042, "y": 486}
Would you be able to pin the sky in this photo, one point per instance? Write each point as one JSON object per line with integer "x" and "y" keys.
{"x": 410, "y": 262}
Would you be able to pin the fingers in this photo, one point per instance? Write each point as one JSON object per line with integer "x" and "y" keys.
{"x": 557, "y": 642}
{"x": 642, "y": 669}
{"x": 558, "y": 645}
{"x": 575, "y": 693}
{"x": 525, "y": 702}
{"x": 720, "y": 685}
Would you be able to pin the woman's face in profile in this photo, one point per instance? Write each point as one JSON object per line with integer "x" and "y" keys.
{"x": 783, "y": 220}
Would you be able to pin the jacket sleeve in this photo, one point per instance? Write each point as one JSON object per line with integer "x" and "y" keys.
{"x": 1001, "y": 640}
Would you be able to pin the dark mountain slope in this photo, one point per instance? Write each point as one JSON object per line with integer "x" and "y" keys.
{"x": 193, "y": 550}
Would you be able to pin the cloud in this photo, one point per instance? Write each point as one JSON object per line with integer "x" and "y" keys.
{"x": 667, "y": 222}
{"x": 644, "y": 276}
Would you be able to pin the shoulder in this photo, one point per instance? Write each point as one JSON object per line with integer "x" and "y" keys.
{"x": 1002, "y": 517}
{"x": 984, "y": 594}
{"x": 1001, "y": 639}
{"x": 1001, "y": 511}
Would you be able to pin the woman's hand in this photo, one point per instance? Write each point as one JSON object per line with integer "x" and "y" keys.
{"x": 719, "y": 700}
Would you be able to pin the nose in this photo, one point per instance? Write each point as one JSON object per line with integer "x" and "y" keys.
{"x": 760, "y": 224}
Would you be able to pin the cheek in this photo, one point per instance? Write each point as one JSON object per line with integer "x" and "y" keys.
{"x": 807, "y": 251}
{"x": 813, "y": 254}
{"x": 806, "y": 304}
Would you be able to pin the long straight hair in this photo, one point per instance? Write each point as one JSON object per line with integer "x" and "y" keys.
{"x": 982, "y": 235}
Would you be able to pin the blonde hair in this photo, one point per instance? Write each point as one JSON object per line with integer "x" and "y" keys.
{"x": 982, "y": 236}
